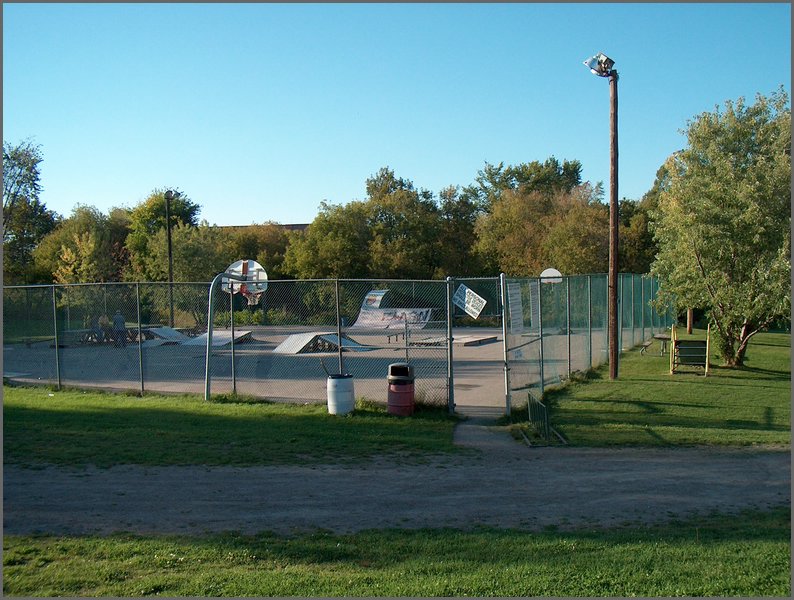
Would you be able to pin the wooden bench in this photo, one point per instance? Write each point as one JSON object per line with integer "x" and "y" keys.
{"x": 645, "y": 345}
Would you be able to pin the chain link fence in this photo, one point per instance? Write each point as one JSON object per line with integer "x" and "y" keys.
{"x": 151, "y": 337}
{"x": 557, "y": 327}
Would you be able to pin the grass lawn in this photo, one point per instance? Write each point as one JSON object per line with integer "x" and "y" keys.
{"x": 646, "y": 406}
{"x": 743, "y": 556}
{"x": 717, "y": 555}
{"x": 78, "y": 428}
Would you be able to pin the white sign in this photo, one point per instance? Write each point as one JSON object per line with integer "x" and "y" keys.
{"x": 534, "y": 305}
{"x": 469, "y": 301}
{"x": 516, "y": 308}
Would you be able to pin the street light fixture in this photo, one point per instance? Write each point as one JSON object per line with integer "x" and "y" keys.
{"x": 600, "y": 65}
{"x": 170, "y": 195}
{"x": 603, "y": 66}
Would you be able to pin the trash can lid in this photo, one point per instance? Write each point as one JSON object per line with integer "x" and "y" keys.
{"x": 400, "y": 370}
{"x": 340, "y": 376}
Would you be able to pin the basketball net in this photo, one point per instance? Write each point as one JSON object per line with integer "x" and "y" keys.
{"x": 252, "y": 296}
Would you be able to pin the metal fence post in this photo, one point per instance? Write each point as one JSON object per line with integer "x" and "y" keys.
{"x": 633, "y": 311}
{"x": 450, "y": 339}
{"x": 642, "y": 306}
{"x": 505, "y": 312}
{"x": 140, "y": 333}
{"x": 55, "y": 329}
{"x": 653, "y": 310}
{"x": 568, "y": 320}
{"x": 540, "y": 331}
{"x": 589, "y": 323}
{"x": 231, "y": 319}
{"x": 68, "y": 308}
{"x": 339, "y": 329}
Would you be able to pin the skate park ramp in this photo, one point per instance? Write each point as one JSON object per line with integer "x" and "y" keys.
{"x": 316, "y": 342}
{"x": 219, "y": 338}
{"x": 164, "y": 336}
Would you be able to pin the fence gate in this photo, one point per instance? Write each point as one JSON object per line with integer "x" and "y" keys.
{"x": 477, "y": 349}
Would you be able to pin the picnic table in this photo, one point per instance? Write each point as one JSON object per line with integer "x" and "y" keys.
{"x": 663, "y": 339}
{"x": 89, "y": 336}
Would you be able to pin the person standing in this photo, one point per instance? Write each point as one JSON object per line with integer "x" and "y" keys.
{"x": 104, "y": 325}
{"x": 119, "y": 330}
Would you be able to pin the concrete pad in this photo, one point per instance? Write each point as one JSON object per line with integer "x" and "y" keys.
{"x": 475, "y": 340}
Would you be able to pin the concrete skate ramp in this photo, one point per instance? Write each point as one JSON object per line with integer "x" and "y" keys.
{"x": 168, "y": 334}
{"x": 219, "y": 338}
{"x": 316, "y": 342}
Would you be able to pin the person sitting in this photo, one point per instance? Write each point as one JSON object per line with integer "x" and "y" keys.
{"x": 104, "y": 324}
{"x": 96, "y": 333}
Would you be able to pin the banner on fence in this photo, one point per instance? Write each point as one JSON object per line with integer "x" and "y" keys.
{"x": 392, "y": 318}
{"x": 373, "y": 299}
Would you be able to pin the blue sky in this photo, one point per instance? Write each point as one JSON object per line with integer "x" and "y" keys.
{"x": 259, "y": 112}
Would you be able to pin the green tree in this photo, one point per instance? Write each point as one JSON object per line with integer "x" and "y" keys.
{"x": 145, "y": 220}
{"x": 198, "y": 253}
{"x": 393, "y": 234}
{"x": 117, "y": 228}
{"x": 336, "y": 244}
{"x": 266, "y": 243}
{"x": 404, "y": 228}
{"x": 29, "y": 223}
{"x": 546, "y": 178}
{"x": 21, "y": 178}
{"x": 578, "y": 241}
{"x": 456, "y": 239}
{"x": 87, "y": 236}
{"x": 723, "y": 224}
{"x": 637, "y": 248}
{"x": 513, "y": 237}
{"x": 26, "y": 220}
{"x": 78, "y": 262}
{"x": 507, "y": 236}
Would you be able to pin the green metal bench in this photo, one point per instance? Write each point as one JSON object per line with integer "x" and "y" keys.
{"x": 689, "y": 353}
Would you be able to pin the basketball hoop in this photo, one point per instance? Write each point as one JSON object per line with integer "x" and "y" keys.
{"x": 551, "y": 276}
{"x": 252, "y": 297}
{"x": 255, "y": 283}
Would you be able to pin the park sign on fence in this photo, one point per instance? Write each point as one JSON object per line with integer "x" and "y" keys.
{"x": 469, "y": 301}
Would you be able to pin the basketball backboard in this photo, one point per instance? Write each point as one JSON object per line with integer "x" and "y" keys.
{"x": 255, "y": 283}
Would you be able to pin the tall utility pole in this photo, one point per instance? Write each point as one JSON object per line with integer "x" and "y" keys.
{"x": 602, "y": 66}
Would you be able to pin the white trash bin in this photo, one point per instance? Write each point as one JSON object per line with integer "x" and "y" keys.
{"x": 341, "y": 398}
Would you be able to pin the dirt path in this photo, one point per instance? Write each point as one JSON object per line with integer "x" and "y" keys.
{"x": 503, "y": 484}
